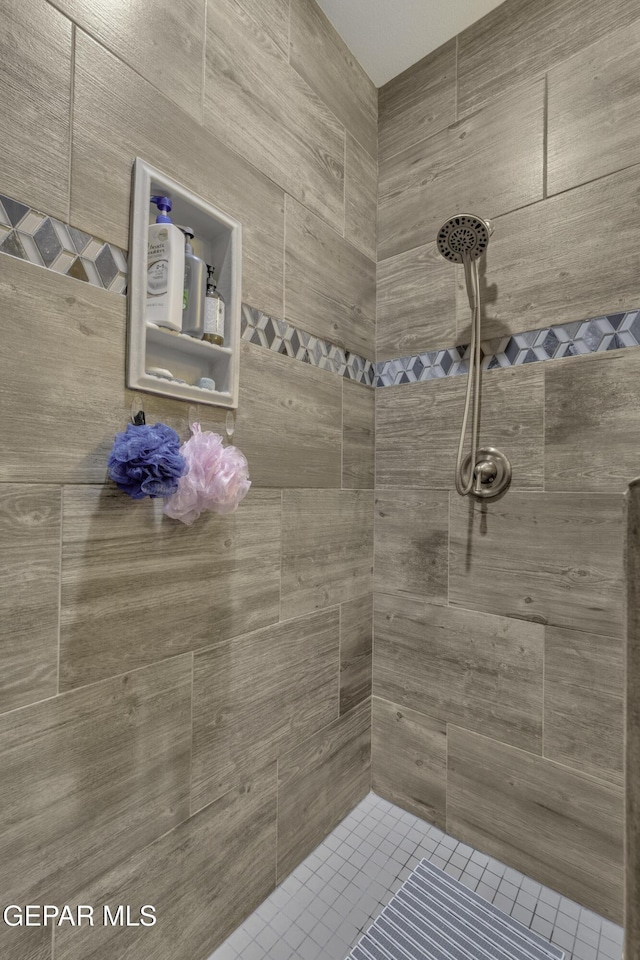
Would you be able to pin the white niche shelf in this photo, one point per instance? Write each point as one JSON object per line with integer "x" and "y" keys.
{"x": 218, "y": 241}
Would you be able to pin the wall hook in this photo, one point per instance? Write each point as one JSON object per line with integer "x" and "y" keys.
{"x": 230, "y": 425}
{"x": 138, "y": 418}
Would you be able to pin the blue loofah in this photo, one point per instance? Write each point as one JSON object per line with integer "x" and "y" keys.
{"x": 146, "y": 461}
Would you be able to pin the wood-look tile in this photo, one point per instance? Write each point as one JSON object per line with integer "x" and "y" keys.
{"x": 595, "y": 90}
{"x": 26, "y": 943}
{"x": 288, "y": 421}
{"x": 478, "y": 671}
{"x": 319, "y": 782}
{"x": 592, "y": 425}
{"x": 203, "y": 879}
{"x": 138, "y": 587}
{"x": 360, "y": 196}
{"x": 584, "y": 702}
{"x": 161, "y": 40}
{"x": 321, "y": 56}
{"x": 412, "y": 543}
{"x": 518, "y": 40}
{"x": 418, "y": 428}
{"x": 59, "y": 425}
{"x": 272, "y": 18}
{"x": 258, "y": 105}
{"x": 327, "y": 548}
{"x": 74, "y": 336}
{"x": 86, "y": 778}
{"x": 556, "y": 825}
{"x": 418, "y": 102}
{"x": 330, "y": 286}
{"x": 356, "y": 643}
{"x": 358, "y": 435}
{"x": 257, "y": 696}
{"x": 409, "y": 760}
{"x": 29, "y": 577}
{"x": 35, "y": 76}
{"x": 425, "y": 184}
{"x": 552, "y": 558}
{"x": 416, "y": 303}
{"x": 116, "y": 119}
{"x": 568, "y": 258}
{"x": 632, "y": 751}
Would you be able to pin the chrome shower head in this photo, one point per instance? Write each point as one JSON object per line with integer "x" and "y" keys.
{"x": 463, "y": 235}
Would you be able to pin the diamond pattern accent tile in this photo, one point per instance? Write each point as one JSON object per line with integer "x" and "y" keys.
{"x": 290, "y": 341}
{"x": 15, "y": 210}
{"x": 613, "y": 332}
{"x": 42, "y": 240}
{"x": 107, "y": 267}
{"x": 11, "y": 245}
{"x": 49, "y": 243}
{"x": 80, "y": 239}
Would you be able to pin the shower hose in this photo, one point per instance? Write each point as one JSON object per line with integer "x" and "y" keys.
{"x": 473, "y": 379}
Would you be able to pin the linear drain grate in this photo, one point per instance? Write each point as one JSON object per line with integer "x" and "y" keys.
{"x": 434, "y": 917}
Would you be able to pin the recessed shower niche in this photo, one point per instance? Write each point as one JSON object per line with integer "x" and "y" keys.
{"x": 162, "y": 360}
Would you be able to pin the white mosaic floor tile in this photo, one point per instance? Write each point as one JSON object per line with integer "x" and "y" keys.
{"x": 322, "y": 909}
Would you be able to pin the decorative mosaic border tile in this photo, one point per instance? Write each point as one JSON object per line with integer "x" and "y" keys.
{"x": 33, "y": 236}
{"x": 282, "y": 337}
{"x": 612, "y": 332}
{"x": 47, "y": 242}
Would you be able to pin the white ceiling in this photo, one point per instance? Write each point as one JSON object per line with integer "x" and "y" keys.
{"x": 387, "y": 36}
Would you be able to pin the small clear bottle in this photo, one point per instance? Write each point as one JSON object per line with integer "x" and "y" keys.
{"x": 214, "y": 309}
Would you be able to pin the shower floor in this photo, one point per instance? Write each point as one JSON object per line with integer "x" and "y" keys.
{"x": 322, "y": 909}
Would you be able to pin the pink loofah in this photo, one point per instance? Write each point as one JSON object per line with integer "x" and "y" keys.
{"x": 217, "y": 478}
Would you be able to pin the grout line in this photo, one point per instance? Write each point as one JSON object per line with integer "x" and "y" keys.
{"x": 544, "y": 430}
{"x": 448, "y": 603}
{"x": 191, "y": 811}
{"x": 72, "y": 93}
{"x": 339, "y": 660}
{"x": 446, "y": 777}
{"x": 544, "y": 682}
{"x": 584, "y": 774}
{"x": 59, "y": 631}
{"x": 342, "y": 486}
{"x": 545, "y": 135}
{"x": 281, "y": 555}
{"x": 344, "y": 186}
{"x": 277, "y": 814}
{"x": 111, "y": 677}
{"x": 455, "y": 89}
{"x": 284, "y": 257}
{"x": 289, "y": 34}
{"x": 204, "y": 61}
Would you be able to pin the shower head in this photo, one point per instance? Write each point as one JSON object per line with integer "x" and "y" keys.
{"x": 463, "y": 235}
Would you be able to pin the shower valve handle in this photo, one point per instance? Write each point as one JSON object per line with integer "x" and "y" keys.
{"x": 485, "y": 472}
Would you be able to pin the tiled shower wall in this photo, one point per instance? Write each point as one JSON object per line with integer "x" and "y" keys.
{"x": 184, "y": 713}
{"x": 498, "y": 666}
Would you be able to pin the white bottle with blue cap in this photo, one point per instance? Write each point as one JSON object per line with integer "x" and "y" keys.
{"x": 165, "y": 269}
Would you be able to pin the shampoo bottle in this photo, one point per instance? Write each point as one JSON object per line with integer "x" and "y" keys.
{"x": 213, "y": 312}
{"x": 165, "y": 269}
{"x": 195, "y": 288}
